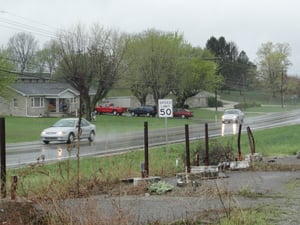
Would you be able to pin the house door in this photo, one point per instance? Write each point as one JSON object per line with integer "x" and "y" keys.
{"x": 51, "y": 105}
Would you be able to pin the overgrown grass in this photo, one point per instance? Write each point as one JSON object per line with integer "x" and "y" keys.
{"x": 276, "y": 141}
{"x": 258, "y": 215}
{"x": 280, "y": 141}
{"x": 37, "y": 179}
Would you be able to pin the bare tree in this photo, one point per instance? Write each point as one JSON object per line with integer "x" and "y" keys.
{"x": 90, "y": 62}
{"x": 106, "y": 53}
{"x": 22, "y": 47}
{"x": 48, "y": 58}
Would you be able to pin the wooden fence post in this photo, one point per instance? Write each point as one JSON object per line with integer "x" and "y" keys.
{"x": 14, "y": 184}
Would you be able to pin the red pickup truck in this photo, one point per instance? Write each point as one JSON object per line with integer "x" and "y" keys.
{"x": 110, "y": 108}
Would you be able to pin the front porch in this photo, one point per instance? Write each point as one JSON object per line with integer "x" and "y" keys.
{"x": 64, "y": 104}
{"x": 61, "y": 107}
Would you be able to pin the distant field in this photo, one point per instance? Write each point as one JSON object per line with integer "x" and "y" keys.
{"x": 257, "y": 96}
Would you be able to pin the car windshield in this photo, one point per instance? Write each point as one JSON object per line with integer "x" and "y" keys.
{"x": 65, "y": 123}
{"x": 231, "y": 112}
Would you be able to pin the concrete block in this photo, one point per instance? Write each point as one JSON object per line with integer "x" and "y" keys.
{"x": 254, "y": 157}
{"x": 235, "y": 165}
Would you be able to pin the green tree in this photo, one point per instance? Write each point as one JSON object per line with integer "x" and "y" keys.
{"x": 164, "y": 63}
{"x": 273, "y": 62}
{"x": 152, "y": 58}
{"x": 292, "y": 88}
{"x": 194, "y": 74}
{"x": 246, "y": 71}
{"x": 6, "y": 74}
{"x": 238, "y": 72}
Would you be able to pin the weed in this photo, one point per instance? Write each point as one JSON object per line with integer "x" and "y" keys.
{"x": 246, "y": 192}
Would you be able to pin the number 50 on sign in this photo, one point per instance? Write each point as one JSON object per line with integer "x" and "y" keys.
{"x": 165, "y": 108}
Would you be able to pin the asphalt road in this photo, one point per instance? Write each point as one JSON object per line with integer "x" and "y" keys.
{"x": 26, "y": 153}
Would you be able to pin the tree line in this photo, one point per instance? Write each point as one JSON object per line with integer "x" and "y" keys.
{"x": 151, "y": 62}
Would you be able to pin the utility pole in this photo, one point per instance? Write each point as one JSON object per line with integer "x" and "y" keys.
{"x": 216, "y": 102}
{"x": 3, "y": 157}
{"x": 215, "y": 59}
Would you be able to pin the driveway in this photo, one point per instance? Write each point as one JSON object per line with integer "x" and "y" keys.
{"x": 274, "y": 189}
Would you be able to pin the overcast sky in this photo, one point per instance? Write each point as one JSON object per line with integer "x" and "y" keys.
{"x": 248, "y": 23}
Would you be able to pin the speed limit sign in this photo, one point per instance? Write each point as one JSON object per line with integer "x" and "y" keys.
{"x": 165, "y": 108}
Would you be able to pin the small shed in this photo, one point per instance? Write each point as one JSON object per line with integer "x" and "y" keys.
{"x": 199, "y": 100}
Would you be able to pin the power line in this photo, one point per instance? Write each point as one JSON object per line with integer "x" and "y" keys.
{"x": 30, "y": 20}
{"x": 24, "y": 27}
{"x": 29, "y": 63}
{"x": 41, "y": 29}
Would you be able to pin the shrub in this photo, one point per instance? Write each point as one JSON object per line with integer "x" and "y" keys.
{"x": 211, "y": 102}
{"x": 160, "y": 187}
{"x": 243, "y": 106}
{"x": 217, "y": 153}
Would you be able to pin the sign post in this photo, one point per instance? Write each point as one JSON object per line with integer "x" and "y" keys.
{"x": 165, "y": 109}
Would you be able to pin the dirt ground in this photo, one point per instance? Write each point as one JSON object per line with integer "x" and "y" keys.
{"x": 276, "y": 181}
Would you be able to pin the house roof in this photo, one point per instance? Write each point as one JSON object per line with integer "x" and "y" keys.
{"x": 33, "y": 76}
{"x": 43, "y": 89}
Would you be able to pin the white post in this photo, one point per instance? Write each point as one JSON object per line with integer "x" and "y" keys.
{"x": 167, "y": 138}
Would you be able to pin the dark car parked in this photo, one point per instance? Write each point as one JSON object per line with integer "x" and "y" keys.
{"x": 146, "y": 110}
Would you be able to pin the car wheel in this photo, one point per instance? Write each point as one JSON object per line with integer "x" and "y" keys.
{"x": 132, "y": 114}
{"x": 92, "y": 136}
{"x": 148, "y": 114}
{"x": 183, "y": 116}
{"x": 71, "y": 138}
{"x": 46, "y": 142}
{"x": 115, "y": 113}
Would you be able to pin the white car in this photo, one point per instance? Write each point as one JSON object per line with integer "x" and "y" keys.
{"x": 66, "y": 130}
{"x": 233, "y": 116}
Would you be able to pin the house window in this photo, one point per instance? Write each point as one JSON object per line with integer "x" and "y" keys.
{"x": 15, "y": 102}
{"x": 73, "y": 100}
{"x": 37, "y": 102}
